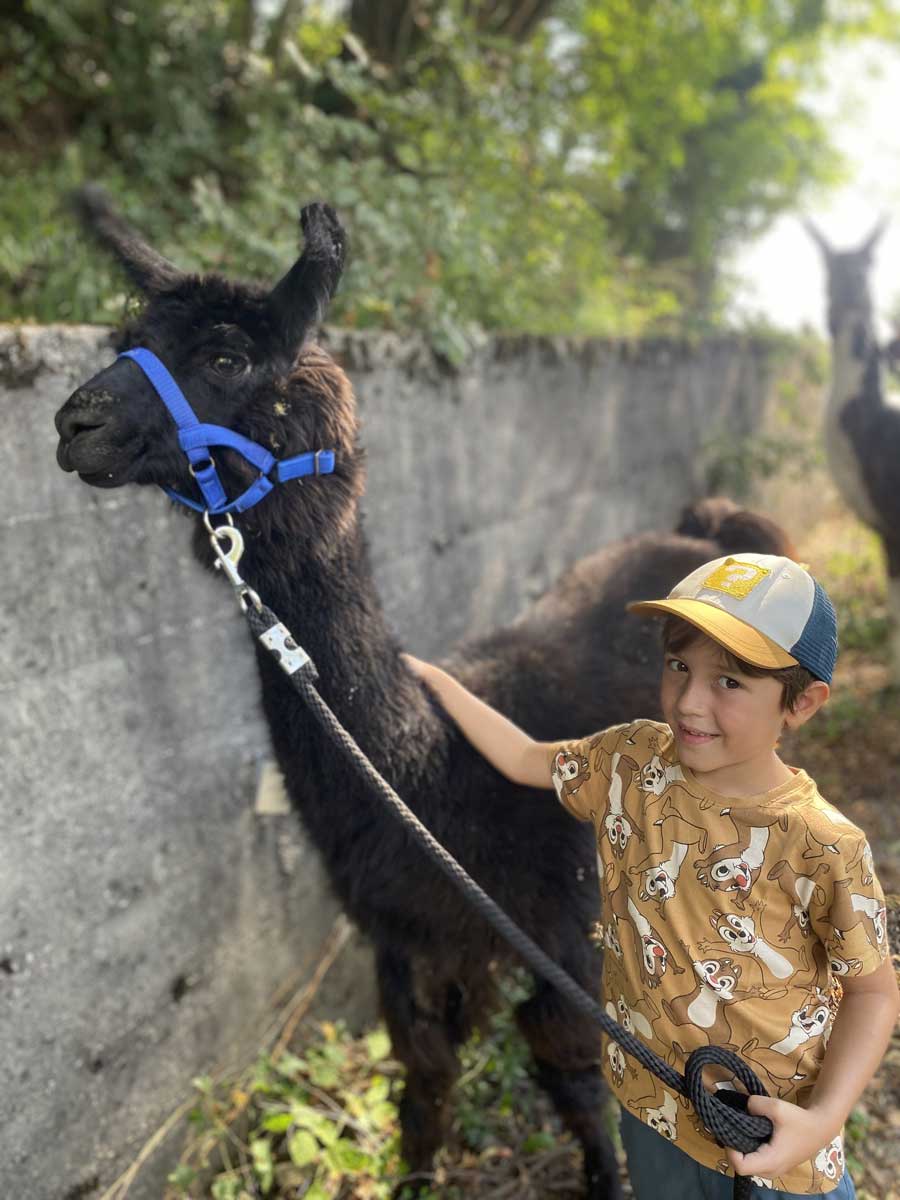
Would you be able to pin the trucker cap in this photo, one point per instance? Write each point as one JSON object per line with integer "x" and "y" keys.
{"x": 764, "y": 608}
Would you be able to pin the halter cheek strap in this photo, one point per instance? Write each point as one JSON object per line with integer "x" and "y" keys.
{"x": 195, "y": 439}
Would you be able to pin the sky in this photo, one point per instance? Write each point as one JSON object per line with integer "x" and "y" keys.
{"x": 780, "y": 274}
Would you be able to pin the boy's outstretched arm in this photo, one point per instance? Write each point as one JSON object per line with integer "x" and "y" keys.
{"x": 505, "y": 746}
{"x": 859, "y": 1038}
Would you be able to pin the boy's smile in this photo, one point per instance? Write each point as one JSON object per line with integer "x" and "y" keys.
{"x": 695, "y": 737}
{"x": 726, "y": 724}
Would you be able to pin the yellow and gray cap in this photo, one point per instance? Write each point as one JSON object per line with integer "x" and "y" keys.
{"x": 764, "y": 608}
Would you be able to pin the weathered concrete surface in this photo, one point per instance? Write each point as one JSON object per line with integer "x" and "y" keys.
{"x": 147, "y": 912}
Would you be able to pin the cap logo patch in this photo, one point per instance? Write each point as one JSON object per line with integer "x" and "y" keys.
{"x": 736, "y": 578}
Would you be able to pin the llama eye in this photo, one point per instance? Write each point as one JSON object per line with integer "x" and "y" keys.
{"x": 227, "y": 364}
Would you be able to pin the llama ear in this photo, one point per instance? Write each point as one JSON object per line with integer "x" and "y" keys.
{"x": 149, "y": 270}
{"x": 300, "y": 300}
{"x": 818, "y": 237}
{"x": 875, "y": 236}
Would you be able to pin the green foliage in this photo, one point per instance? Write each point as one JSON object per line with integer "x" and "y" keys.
{"x": 584, "y": 178}
{"x": 494, "y": 1085}
{"x": 843, "y": 714}
{"x": 854, "y": 576}
{"x": 854, "y": 1141}
{"x": 323, "y": 1123}
{"x": 735, "y": 465}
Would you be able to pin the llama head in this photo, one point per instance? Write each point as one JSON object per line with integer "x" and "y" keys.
{"x": 847, "y": 280}
{"x": 243, "y": 357}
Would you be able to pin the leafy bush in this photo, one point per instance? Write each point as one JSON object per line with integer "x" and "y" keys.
{"x": 323, "y": 1123}
{"x": 569, "y": 173}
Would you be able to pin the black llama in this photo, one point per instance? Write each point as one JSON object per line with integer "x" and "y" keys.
{"x": 862, "y": 422}
{"x": 573, "y": 663}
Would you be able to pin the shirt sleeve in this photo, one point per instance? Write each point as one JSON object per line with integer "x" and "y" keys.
{"x": 848, "y": 913}
{"x": 579, "y": 771}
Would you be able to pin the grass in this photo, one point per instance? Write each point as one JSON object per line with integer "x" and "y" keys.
{"x": 853, "y": 574}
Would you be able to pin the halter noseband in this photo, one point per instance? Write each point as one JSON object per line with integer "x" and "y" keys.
{"x": 195, "y": 440}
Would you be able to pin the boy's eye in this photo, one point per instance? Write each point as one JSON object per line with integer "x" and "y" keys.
{"x": 728, "y": 683}
{"x": 675, "y": 664}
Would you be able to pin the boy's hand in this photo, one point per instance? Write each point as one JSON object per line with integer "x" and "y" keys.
{"x": 506, "y": 747}
{"x": 418, "y": 666}
{"x": 798, "y": 1136}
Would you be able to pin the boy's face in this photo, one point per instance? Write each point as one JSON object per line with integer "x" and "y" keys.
{"x": 724, "y": 722}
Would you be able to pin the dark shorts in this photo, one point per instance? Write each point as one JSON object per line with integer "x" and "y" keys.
{"x": 651, "y": 1157}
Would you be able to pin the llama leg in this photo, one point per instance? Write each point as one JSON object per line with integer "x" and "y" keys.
{"x": 566, "y": 1048}
{"x": 423, "y": 1039}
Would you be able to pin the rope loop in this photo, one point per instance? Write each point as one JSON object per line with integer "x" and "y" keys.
{"x": 724, "y": 1112}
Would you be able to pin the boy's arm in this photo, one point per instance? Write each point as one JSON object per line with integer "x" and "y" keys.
{"x": 506, "y": 746}
{"x": 859, "y": 1038}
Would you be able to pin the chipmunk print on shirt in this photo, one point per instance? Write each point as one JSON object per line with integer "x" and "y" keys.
{"x": 705, "y": 1005}
{"x": 735, "y": 867}
{"x": 619, "y": 825}
{"x": 741, "y": 936}
{"x": 781, "y": 1061}
{"x": 668, "y": 841}
{"x": 661, "y": 1117}
{"x": 632, "y": 1019}
{"x": 619, "y": 1062}
{"x": 800, "y": 890}
{"x": 650, "y": 951}
{"x": 657, "y": 775}
{"x": 849, "y": 909}
{"x": 725, "y": 923}
{"x": 864, "y": 862}
{"x": 830, "y": 1160}
{"x": 570, "y": 771}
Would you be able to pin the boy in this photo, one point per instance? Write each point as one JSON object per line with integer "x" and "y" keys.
{"x": 741, "y": 909}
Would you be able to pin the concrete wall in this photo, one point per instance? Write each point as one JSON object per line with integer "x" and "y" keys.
{"x": 147, "y": 909}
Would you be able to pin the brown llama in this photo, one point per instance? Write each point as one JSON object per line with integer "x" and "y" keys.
{"x": 573, "y": 663}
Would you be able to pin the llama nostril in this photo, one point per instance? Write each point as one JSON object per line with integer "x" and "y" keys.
{"x": 69, "y": 425}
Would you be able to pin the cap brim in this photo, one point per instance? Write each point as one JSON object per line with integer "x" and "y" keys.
{"x": 735, "y": 635}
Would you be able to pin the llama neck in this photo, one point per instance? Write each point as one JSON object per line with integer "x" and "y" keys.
{"x": 855, "y": 402}
{"x": 855, "y": 369}
{"x": 333, "y": 610}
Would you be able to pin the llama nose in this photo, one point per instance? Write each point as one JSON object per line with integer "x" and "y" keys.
{"x": 78, "y": 415}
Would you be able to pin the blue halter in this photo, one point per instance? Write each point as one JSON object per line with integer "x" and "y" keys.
{"x": 195, "y": 440}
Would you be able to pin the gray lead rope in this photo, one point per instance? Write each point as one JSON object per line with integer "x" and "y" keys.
{"x": 723, "y": 1113}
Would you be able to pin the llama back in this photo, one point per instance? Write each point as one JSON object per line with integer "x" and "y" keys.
{"x": 576, "y": 661}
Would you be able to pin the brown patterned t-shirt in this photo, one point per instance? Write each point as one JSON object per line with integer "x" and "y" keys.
{"x": 726, "y": 922}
